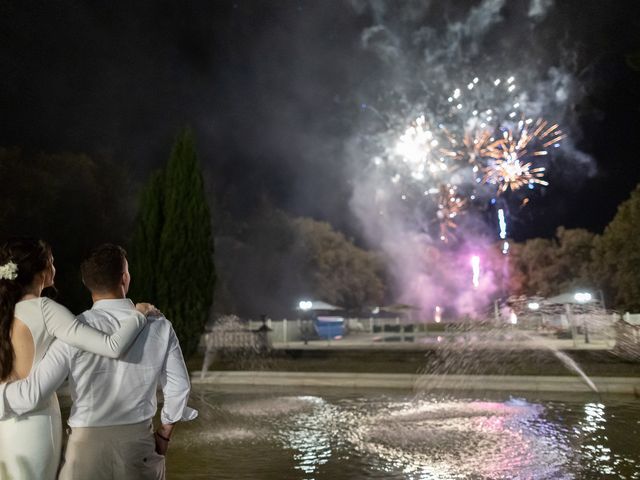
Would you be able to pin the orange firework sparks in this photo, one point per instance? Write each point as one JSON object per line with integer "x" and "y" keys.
{"x": 450, "y": 205}
{"x": 512, "y": 173}
{"x": 475, "y": 147}
{"x": 507, "y": 165}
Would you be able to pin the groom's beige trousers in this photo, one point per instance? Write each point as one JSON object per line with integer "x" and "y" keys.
{"x": 124, "y": 452}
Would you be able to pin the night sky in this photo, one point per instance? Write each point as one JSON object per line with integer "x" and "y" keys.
{"x": 279, "y": 91}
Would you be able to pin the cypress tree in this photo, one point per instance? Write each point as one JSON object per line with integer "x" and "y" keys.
{"x": 143, "y": 257}
{"x": 174, "y": 243}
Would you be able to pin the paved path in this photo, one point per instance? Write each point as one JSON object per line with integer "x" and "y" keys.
{"x": 512, "y": 383}
{"x": 469, "y": 340}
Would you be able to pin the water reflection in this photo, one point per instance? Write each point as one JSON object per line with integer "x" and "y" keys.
{"x": 594, "y": 450}
{"x": 379, "y": 436}
{"x": 309, "y": 436}
{"x": 447, "y": 440}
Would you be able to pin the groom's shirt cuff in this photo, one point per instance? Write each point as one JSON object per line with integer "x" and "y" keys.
{"x": 174, "y": 380}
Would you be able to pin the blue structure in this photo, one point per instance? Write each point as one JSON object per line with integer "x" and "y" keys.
{"x": 329, "y": 326}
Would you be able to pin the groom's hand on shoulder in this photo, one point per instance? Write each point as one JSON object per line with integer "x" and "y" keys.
{"x": 148, "y": 310}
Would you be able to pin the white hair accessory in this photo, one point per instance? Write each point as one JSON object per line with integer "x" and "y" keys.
{"x": 8, "y": 271}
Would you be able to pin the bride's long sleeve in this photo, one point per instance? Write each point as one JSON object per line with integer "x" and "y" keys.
{"x": 62, "y": 324}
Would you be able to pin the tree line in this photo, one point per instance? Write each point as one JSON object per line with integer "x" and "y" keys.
{"x": 73, "y": 201}
{"x": 577, "y": 259}
{"x": 271, "y": 260}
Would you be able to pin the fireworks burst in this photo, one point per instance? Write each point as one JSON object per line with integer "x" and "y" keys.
{"x": 506, "y": 165}
{"x": 510, "y": 172}
{"x": 472, "y": 150}
{"x": 418, "y": 149}
{"x": 476, "y": 145}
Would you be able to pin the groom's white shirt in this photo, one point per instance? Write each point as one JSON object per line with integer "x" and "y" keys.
{"x": 108, "y": 392}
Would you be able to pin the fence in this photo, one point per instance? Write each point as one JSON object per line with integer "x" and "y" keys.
{"x": 292, "y": 330}
{"x": 583, "y": 328}
{"x": 628, "y": 337}
{"x": 240, "y": 339}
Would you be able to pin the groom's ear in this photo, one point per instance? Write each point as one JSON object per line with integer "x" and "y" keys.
{"x": 126, "y": 280}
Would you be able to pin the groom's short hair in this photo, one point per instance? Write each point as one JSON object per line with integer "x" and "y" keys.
{"x": 102, "y": 270}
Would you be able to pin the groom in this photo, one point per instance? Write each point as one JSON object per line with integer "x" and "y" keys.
{"x": 114, "y": 401}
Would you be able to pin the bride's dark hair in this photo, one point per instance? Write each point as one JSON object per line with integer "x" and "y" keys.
{"x": 31, "y": 257}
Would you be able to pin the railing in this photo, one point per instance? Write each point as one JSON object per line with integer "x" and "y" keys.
{"x": 229, "y": 333}
{"x": 239, "y": 339}
{"x": 628, "y": 337}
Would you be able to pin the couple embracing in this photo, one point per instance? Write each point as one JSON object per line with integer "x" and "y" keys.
{"x": 115, "y": 356}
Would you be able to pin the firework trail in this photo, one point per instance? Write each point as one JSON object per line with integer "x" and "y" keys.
{"x": 475, "y": 267}
{"x": 502, "y": 223}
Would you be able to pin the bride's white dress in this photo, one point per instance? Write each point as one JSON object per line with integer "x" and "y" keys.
{"x": 30, "y": 444}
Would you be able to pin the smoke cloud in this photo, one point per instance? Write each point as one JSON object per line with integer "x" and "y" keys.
{"x": 444, "y": 73}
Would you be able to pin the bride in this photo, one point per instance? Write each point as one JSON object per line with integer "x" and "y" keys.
{"x": 30, "y": 445}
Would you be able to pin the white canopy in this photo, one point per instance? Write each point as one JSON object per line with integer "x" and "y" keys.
{"x": 570, "y": 297}
{"x": 320, "y": 305}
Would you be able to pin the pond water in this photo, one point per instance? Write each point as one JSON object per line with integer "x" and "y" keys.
{"x": 259, "y": 433}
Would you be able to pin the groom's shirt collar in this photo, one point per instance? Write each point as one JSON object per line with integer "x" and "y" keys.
{"x": 119, "y": 303}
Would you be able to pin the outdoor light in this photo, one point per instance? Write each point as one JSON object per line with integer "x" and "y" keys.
{"x": 534, "y": 306}
{"x": 376, "y": 310}
{"x": 437, "y": 314}
{"x": 305, "y": 305}
{"x": 582, "y": 297}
